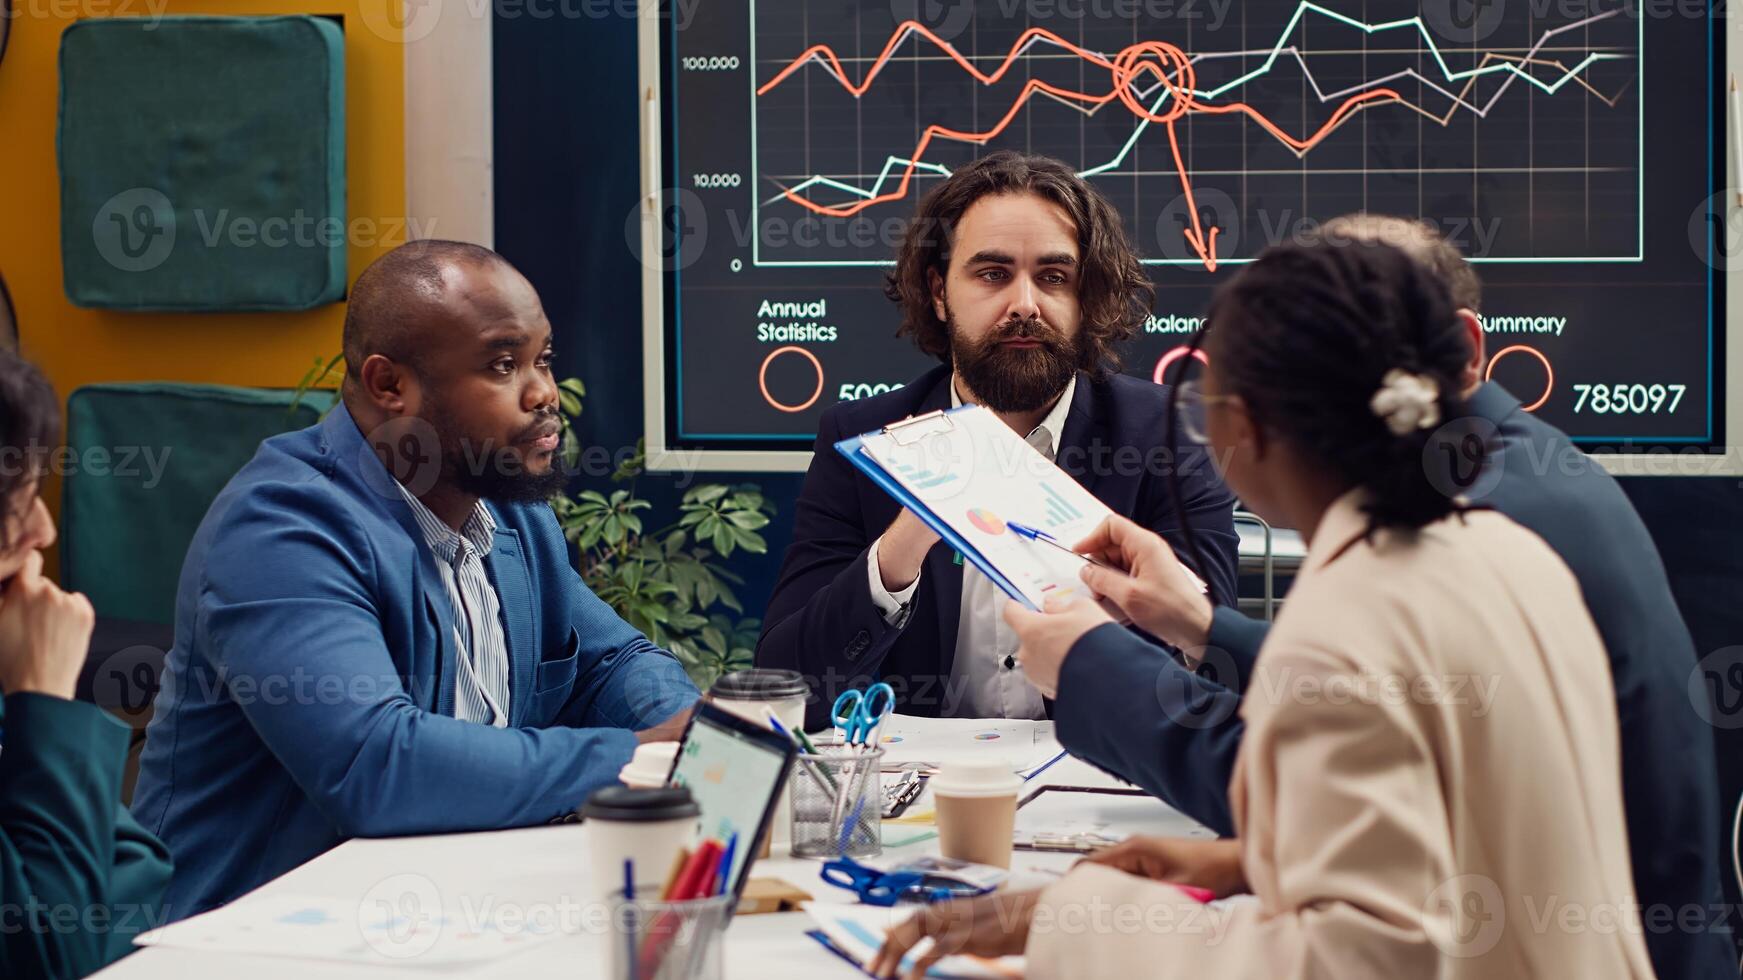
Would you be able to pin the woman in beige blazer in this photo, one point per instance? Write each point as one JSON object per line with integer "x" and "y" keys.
{"x": 1429, "y": 781}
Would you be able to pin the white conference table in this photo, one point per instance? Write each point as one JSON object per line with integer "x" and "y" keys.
{"x": 543, "y": 871}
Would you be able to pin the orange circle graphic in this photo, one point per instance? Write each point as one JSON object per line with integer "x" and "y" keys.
{"x": 763, "y": 379}
{"x": 1548, "y": 372}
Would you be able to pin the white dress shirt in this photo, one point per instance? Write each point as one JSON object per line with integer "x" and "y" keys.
{"x": 985, "y": 681}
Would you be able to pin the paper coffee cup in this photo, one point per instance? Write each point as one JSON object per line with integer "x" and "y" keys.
{"x": 977, "y": 810}
{"x": 752, "y": 695}
{"x": 646, "y": 826}
{"x": 650, "y": 766}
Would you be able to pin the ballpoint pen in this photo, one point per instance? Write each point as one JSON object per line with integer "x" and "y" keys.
{"x": 1036, "y": 534}
{"x": 827, "y": 782}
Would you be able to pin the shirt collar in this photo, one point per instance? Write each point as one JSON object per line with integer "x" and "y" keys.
{"x": 1050, "y": 428}
{"x": 479, "y": 531}
{"x": 1340, "y": 527}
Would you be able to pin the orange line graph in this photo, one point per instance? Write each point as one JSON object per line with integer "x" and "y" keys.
{"x": 824, "y": 51}
{"x": 1164, "y": 61}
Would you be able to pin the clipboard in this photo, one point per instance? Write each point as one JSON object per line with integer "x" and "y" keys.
{"x": 907, "y": 432}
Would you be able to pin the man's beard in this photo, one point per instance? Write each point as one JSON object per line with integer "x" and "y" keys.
{"x": 495, "y": 473}
{"x": 1014, "y": 379}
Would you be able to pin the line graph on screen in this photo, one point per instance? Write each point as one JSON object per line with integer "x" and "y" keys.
{"x": 1209, "y": 144}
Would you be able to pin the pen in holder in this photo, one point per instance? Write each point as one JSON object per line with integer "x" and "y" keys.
{"x": 669, "y": 940}
{"x": 838, "y": 803}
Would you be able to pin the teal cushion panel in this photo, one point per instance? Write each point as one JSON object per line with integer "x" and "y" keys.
{"x": 146, "y": 462}
{"x": 202, "y": 163}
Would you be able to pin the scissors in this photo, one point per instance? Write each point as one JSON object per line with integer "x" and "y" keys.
{"x": 886, "y": 888}
{"x": 858, "y": 714}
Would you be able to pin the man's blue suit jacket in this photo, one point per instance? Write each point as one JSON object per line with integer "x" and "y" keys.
{"x": 309, "y": 696}
{"x": 1131, "y": 708}
{"x": 821, "y": 620}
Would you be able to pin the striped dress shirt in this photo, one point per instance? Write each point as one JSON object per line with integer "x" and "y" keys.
{"x": 481, "y": 688}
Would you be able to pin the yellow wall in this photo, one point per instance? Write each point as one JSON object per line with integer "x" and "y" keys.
{"x": 77, "y": 346}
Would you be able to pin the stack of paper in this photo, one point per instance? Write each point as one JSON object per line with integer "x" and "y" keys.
{"x": 379, "y": 933}
{"x": 1025, "y": 745}
{"x": 857, "y": 933}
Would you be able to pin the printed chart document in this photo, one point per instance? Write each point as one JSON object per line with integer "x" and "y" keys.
{"x": 968, "y": 476}
{"x": 856, "y": 932}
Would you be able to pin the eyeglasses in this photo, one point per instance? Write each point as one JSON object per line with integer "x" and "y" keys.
{"x": 1193, "y": 406}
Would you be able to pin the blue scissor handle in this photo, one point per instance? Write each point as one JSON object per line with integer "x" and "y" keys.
{"x": 886, "y": 888}
{"x": 872, "y": 886}
{"x": 858, "y": 713}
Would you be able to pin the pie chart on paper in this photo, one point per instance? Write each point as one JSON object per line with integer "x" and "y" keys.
{"x": 986, "y": 520}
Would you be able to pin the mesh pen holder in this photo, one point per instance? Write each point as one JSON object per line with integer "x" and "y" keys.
{"x": 838, "y": 804}
{"x": 653, "y": 940}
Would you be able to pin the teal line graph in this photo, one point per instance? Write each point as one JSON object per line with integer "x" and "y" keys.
{"x": 894, "y": 163}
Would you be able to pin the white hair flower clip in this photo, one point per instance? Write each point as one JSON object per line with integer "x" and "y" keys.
{"x": 1407, "y": 402}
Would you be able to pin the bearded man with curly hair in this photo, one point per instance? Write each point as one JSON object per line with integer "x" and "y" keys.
{"x": 1017, "y": 275}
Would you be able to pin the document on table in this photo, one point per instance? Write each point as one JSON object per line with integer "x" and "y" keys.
{"x": 1023, "y": 743}
{"x": 857, "y": 933}
{"x": 380, "y": 933}
{"x": 1056, "y": 813}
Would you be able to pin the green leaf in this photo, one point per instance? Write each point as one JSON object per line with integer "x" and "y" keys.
{"x": 749, "y": 520}
{"x": 724, "y": 538}
{"x": 570, "y": 391}
{"x": 707, "y": 590}
{"x": 705, "y": 494}
{"x": 714, "y": 640}
{"x": 688, "y": 622}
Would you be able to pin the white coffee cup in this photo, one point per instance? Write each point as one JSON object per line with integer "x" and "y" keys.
{"x": 753, "y": 695}
{"x": 646, "y": 826}
{"x": 977, "y": 810}
{"x": 650, "y": 766}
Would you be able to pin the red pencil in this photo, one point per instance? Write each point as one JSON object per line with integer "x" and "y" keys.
{"x": 694, "y": 878}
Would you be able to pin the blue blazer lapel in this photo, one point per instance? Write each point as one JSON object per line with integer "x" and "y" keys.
{"x": 514, "y": 593}
{"x": 433, "y": 597}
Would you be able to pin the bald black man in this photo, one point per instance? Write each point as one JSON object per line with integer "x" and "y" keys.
{"x": 378, "y": 630}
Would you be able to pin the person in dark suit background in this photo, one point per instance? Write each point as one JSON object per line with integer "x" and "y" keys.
{"x": 78, "y": 876}
{"x": 1183, "y": 749}
{"x": 1017, "y": 275}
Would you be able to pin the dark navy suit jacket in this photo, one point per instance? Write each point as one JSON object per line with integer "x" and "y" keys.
{"x": 1130, "y": 707}
{"x": 821, "y": 620}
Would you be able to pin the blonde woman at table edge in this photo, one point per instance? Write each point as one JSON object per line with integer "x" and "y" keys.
{"x": 1380, "y": 835}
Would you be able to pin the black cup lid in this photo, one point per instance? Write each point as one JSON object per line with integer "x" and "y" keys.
{"x": 760, "y": 684}
{"x": 629, "y": 805}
